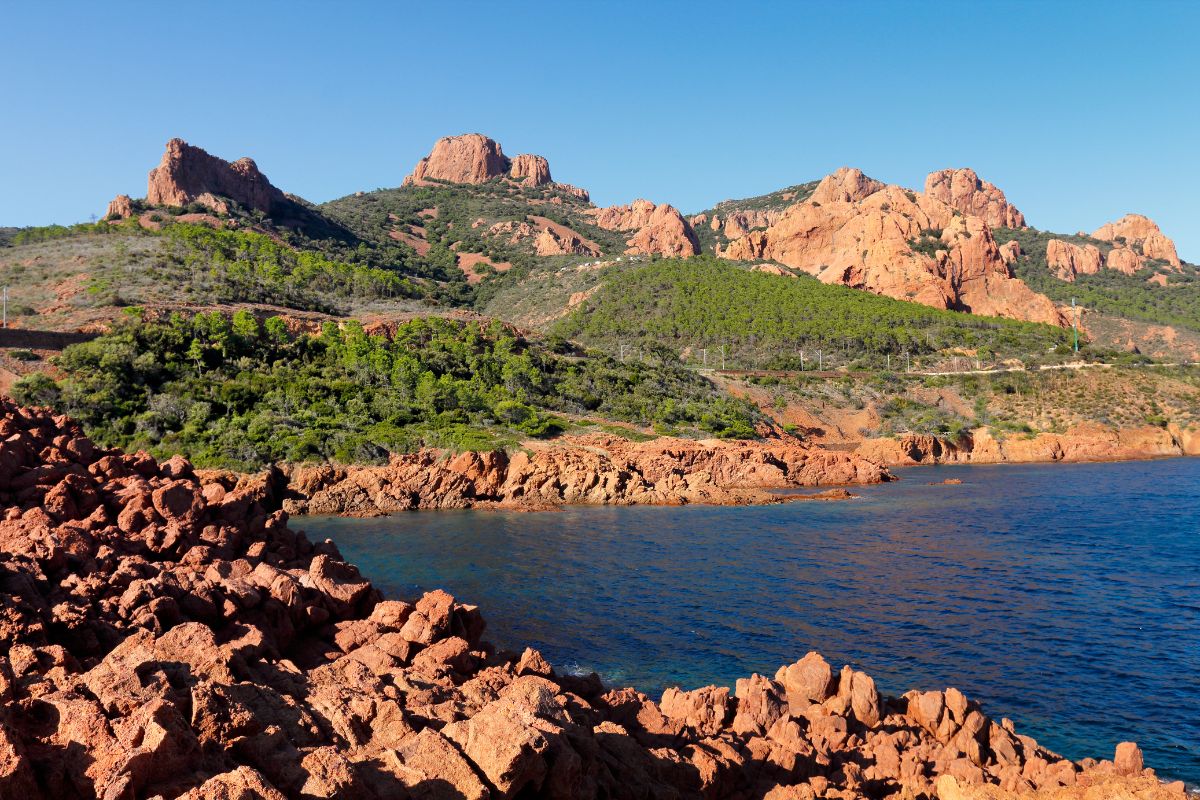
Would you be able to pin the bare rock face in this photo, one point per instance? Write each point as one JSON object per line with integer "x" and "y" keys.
{"x": 656, "y": 228}
{"x": 1010, "y": 251}
{"x": 1067, "y": 260}
{"x": 188, "y": 174}
{"x": 964, "y": 190}
{"x": 1136, "y": 229}
{"x": 1122, "y": 259}
{"x": 531, "y": 170}
{"x": 470, "y": 158}
{"x": 879, "y": 239}
{"x": 120, "y": 207}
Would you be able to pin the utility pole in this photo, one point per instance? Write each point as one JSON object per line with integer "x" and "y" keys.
{"x": 821, "y": 360}
{"x": 722, "y": 358}
{"x": 1075, "y": 323}
{"x": 802, "y": 361}
{"x": 6, "y": 306}
{"x": 704, "y": 350}
{"x": 622, "y": 356}
{"x": 889, "y": 358}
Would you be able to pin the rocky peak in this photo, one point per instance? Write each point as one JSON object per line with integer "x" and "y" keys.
{"x": 962, "y": 189}
{"x": 847, "y": 185}
{"x": 1136, "y": 229}
{"x": 470, "y": 158}
{"x": 532, "y": 170}
{"x": 188, "y": 174}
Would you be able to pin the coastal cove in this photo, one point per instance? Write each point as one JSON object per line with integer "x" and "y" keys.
{"x": 1061, "y": 596}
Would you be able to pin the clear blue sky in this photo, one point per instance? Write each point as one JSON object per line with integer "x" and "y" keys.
{"x": 1081, "y": 112}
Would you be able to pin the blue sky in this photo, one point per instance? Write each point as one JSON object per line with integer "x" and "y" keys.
{"x": 1081, "y": 112}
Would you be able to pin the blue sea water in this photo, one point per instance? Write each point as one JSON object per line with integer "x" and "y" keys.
{"x": 1066, "y": 597}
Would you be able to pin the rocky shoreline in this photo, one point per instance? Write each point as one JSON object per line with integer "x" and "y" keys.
{"x": 578, "y": 470}
{"x": 1082, "y": 443}
{"x": 167, "y": 638}
{"x": 600, "y": 469}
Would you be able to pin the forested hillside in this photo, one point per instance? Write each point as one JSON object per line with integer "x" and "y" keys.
{"x": 765, "y": 320}
{"x": 234, "y": 392}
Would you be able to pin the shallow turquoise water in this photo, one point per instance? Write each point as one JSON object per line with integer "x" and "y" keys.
{"x": 1066, "y": 597}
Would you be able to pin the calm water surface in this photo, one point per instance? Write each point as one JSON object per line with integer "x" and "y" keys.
{"x": 1066, "y": 597}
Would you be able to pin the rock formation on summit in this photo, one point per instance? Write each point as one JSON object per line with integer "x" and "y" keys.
{"x": 530, "y": 169}
{"x": 1135, "y": 230}
{"x": 167, "y": 635}
{"x": 846, "y": 185}
{"x": 657, "y": 229}
{"x": 188, "y": 174}
{"x": 470, "y": 158}
{"x": 964, "y": 190}
{"x": 860, "y": 233}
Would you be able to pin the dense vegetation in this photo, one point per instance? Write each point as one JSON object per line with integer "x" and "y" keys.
{"x": 238, "y": 393}
{"x": 1109, "y": 291}
{"x": 765, "y": 320}
{"x": 242, "y": 266}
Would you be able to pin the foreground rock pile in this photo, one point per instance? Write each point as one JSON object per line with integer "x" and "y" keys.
{"x": 166, "y": 638}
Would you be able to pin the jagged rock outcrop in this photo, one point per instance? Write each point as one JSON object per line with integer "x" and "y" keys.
{"x": 530, "y": 169}
{"x": 188, "y": 174}
{"x": 1137, "y": 230}
{"x": 469, "y": 158}
{"x": 595, "y": 469}
{"x": 549, "y": 239}
{"x": 120, "y": 207}
{"x": 739, "y": 223}
{"x": 166, "y": 636}
{"x": 1066, "y": 260}
{"x": 897, "y": 243}
{"x": 551, "y": 242}
{"x": 964, "y": 190}
{"x": 1010, "y": 251}
{"x": 656, "y": 228}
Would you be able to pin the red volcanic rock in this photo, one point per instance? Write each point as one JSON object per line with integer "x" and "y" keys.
{"x": 1067, "y": 260}
{"x": 846, "y": 185}
{"x": 964, "y": 190}
{"x": 203, "y": 650}
{"x": 1123, "y": 259}
{"x": 530, "y": 169}
{"x": 188, "y": 174}
{"x": 656, "y": 228}
{"x": 1010, "y": 251}
{"x": 120, "y": 207}
{"x": 1136, "y": 229}
{"x": 470, "y": 158}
